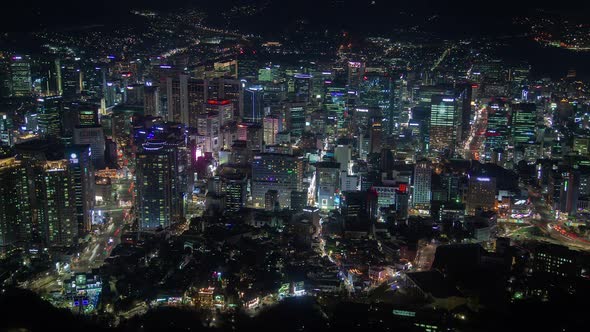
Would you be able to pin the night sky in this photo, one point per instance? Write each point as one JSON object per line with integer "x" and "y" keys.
{"x": 457, "y": 16}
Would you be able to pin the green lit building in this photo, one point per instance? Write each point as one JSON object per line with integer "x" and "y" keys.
{"x": 524, "y": 121}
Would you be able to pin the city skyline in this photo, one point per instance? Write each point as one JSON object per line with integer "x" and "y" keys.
{"x": 301, "y": 165}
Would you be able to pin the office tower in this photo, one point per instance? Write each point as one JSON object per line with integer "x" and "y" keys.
{"x": 302, "y": 85}
{"x": 356, "y": 73}
{"x": 481, "y": 194}
{"x": 556, "y": 260}
{"x": 51, "y": 81}
{"x": 93, "y": 136}
{"x": 376, "y": 132}
{"x": 82, "y": 172}
{"x": 55, "y": 200}
{"x": 159, "y": 184}
{"x": 376, "y": 92}
{"x": 354, "y": 204}
{"x": 253, "y": 105}
{"x": 230, "y": 89}
{"x": 394, "y": 115}
{"x": 386, "y": 161}
{"x": 234, "y": 185}
{"x": 343, "y": 156}
{"x": 271, "y": 200}
{"x": 402, "y": 200}
{"x": 364, "y": 146}
{"x": 20, "y": 76}
{"x": 223, "y": 108}
{"x": 464, "y": 96}
{"x": 295, "y": 116}
{"x": 271, "y": 129}
{"x": 327, "y": 184}
{"x": 151, "y": 101}
{"x": 570, "y": 191}
{"x": 348, "y": 182}
{"x": 134, "y": 94}
{"x": 177, "y": 99}
{"x": 524, "y": 123}
{"x": 298, "y": 200}
{"x": 15, "y": 205}
{"x": 451, "y": 184}
{"x": 335, "y": 104}
{"x": 271, "y": 171}
{"x": 445, "y": 123}
{"x": 6, "y": 127}
{"x": 422, "y": 192}
{"x": 497, "y": 132}
{"x": 49, "y": 116}
{"x": 87, "y": 115}
{"x": 72, "y": 77}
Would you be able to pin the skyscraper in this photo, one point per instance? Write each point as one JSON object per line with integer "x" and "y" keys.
{"x": 93, "y": 136}
{"x": 271, "y": 129}
{"x": 497, "y": 132}
{"x": 55, "y": 198}
{"x": 422, "y": 192}
{"x": 82, "y": 169}
{"x": 481, "y": 194}
{"x": 445, "y": 123}
{"x": 327, "y": 185}
{"x": 49, "y": 114}
{"x": 15, "y": 204}
{"x": 160, "y": 187}
{"x": 253, "y": 107}
{"x": 280, "y": 172}
{"x": 20, "y": 74}
{"x": 524, "y": 123}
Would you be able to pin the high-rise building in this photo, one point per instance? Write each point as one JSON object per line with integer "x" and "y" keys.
{"x": 15, "y": 205}
{"x": 160, "y": 184}
{"x": 295, "y": 116}
{"x": 481, "y": 194}
{"x": 376, "y": 135}
{"x": 271, "y": 171}
{"x": 223, "y": 108}
{"x": 6, "y": 128}
{"x": 271, "y": 200}
{"x": 234, "y": 186}
{"x": 328, "y": 185}
{"x": 343, "y": 156}
{"x": 376, "y": 92}
{"x": 524, "y": 123}
{"x": 497, "y": 132}
{"x": 271, "y": 129}
{"x": 253, "y": 105}
{"x": 82, "y": 169}
{"x": 422, "y": 193}
{"x": 93, "y": 136}
{"x": 55, "y": 200}
{"x": 445, "y": 123}
{"x": 230, "y": 89}
{"x": 49, "y": 116}
{"x": 20, "y": 74}
{"x": 302, "y": 85}
{"x": 151, "y": 101}
{"x": 356, "y": 73}
{"x": 570, "y": 191}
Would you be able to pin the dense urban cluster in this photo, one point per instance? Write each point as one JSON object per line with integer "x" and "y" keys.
{"x": 168, "y": 175}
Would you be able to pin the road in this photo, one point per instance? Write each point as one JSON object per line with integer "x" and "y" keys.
{"x": 474, "y": 142}
{"x": 552, "y": 227}
{"x": 98, "y": 249}
{"x": 103, "y": 242}
{"x": 425, "y": 256}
